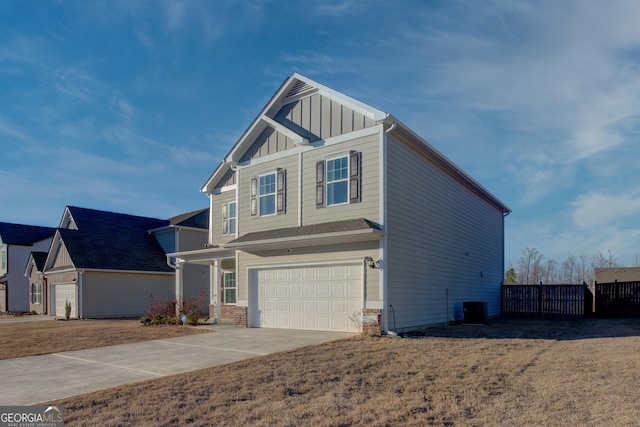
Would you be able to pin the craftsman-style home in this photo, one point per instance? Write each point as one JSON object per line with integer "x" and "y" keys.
{"x": 329, "y": 214}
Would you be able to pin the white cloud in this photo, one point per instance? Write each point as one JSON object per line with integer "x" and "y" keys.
{"x": 598, "y": 209}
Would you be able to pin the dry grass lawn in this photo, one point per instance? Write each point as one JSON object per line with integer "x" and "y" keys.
{"x": 510, "y": 373}
{"x": 32, "y": 338}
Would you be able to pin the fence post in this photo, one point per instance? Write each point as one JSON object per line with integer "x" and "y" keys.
{"x": 501, "y": 299}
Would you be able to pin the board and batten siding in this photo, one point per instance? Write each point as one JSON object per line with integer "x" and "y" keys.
{"x": 270, "y": 141}
{"x": 123, "y": 294}
{"x": 369, "y": 205}
{"x": 62, "y": 258}
{"x": 313, "y": 256}
{"x": 248, "y": 223}
{"x": 320, "y": 117}
{"x": 444, "y": 243}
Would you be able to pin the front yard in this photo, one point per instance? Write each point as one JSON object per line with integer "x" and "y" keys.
{"x": 523, "y": 373}
{"x": 53, "y": 336}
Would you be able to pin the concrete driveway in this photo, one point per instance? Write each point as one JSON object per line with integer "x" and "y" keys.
{"x": 39, "y": 379}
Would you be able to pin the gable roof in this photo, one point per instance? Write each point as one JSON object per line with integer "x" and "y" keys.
{"x": 195, "y": 219}
{"x": 39, "y": 258}
{"x": 296, "y": 87}
{"x": 112, "y": 241}
{"x": 24, "y": 235}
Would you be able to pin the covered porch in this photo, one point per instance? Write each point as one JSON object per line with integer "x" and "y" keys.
{"x": 223, "y": 288}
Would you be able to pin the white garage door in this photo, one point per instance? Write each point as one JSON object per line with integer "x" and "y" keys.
{"x": 316, "y": 297}
{"x": 65, "y": 292}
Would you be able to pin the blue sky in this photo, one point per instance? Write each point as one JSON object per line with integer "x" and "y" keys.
{"x": 129, "y": 106}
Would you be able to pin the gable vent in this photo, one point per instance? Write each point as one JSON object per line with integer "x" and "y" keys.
{"x": 298, "y": 88}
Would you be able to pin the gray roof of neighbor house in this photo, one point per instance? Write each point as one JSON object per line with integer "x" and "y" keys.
{"x": 114, "y": 241}
{"x": 24, "y": 235}
{"x": 308, "y": 230}
{"x": 195, "y": 219}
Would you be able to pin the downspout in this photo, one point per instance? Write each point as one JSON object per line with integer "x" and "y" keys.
{"x": 80, "y": 295}
{"x": 383, "y": 220}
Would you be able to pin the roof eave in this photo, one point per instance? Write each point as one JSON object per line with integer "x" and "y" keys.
{"x": 334, "y": 238}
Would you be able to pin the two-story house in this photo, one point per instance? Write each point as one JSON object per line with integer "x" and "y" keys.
{"x": 329, "y": 214}
{"x": 107, "y": 264}
{"x": 17, "y": 241}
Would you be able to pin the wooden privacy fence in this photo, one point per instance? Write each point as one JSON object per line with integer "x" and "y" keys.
{"x": 556, "y": 302}
{"x": 617, "y": 299}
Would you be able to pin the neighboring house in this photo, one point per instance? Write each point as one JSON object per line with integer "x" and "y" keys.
{"x": 620, "y": 274}
{"x": 329, "y": 214}
{"x": 17, "y": 241}
{"x": 186, "y": 232}
{"x": 109, "y": 264}
{"x": 37, "y": 282}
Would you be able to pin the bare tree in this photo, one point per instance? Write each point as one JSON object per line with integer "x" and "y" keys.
{"x": 601, "y": 260}
{"x": 530, "y": 270}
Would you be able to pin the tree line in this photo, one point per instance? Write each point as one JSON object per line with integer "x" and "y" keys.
{"x": 533, "y": 268}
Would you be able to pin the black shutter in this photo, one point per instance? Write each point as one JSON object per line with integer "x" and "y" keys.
{"x": 320, "y": 184}
{"x": 280, "y": 191}
{"x": 254, "y": 195}
{"x": 354, "y": 177}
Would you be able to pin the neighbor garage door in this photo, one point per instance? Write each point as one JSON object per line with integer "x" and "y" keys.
{"x": 65, "y": 292}
{"x": 311, "y": 297}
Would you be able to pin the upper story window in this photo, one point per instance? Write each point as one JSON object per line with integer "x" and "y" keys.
{"x": 3, "y": 263}
{"x": 268, "y": 194}
{"x": 338, "y": 180}
{"x": 229, "y": 217}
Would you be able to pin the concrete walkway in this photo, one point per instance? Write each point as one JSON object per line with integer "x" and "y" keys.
{"x": 39, "y": 379}
{"x": 26, "y": 318}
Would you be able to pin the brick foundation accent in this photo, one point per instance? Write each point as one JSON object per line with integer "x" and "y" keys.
{"x": 235, "y": 313}
{"x": 372, "y": 321}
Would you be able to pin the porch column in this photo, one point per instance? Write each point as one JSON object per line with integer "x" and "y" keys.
{"x": 179, "y": 284}
{"x": 214, "y": 307}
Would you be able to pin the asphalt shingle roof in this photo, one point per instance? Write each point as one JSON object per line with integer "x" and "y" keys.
{"x": 309, "y": 230}
{"x": 24, "y": 235}
{"x": 113, "y": 241}
{"x": 195, "y": 219}
{"x": 40, "y": 259}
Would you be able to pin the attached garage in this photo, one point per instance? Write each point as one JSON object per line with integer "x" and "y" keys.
{"x": 315, "y": 297}
{"x": 63, "y": 293}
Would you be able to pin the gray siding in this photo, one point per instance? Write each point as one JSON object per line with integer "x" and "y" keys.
{"x": 268, "y": 142}
{"x": 442, "y": 240}
{"x": 369, "y": 207}
{"x": 123, "y": 294}
{"x": 248, "y": 223}
{"x": 191, "y": 239}
{"x": 317, "y": 117}
{"x": 196, "y": 281}
{"x": 167, "y": 240}
{"x": 216, "y": 217}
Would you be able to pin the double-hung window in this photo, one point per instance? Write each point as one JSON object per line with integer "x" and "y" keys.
{"x": 229, "y": 217}
{"x": 337, "y": 181}
{"x": 267, "y": 194}
{"x": 36, "y": 293}
{"x": 230, "y": 288}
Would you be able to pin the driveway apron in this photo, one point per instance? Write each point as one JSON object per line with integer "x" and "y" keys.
{"x": 39, "y": 379}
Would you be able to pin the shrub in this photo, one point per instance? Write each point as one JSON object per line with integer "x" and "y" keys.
{"x": 196, "y": 308}
{"x": 163, "y": 307}
{"x": 67, "y": 309}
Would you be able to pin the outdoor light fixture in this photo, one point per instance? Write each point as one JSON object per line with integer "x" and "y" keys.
{"x": 371, "y": 263}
